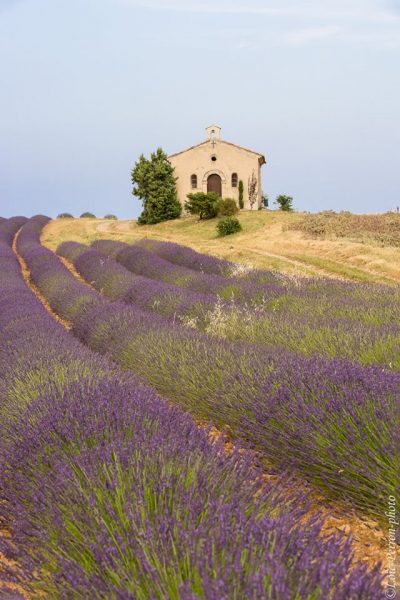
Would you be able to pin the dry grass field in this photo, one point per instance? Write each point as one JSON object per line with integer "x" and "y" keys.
{"x": 270, "y": 240}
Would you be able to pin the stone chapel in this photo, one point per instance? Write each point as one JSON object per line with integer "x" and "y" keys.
{"x": 218, "y": 166}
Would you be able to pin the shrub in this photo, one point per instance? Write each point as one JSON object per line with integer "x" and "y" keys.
{"x": 87, "y": 215}
{"x": 284, "y": 202}
{"x": 114, "y": 217}
{"x": 227, "y": 207}
{"x": 65, "y": 216}
{"x": 228, "y": 225}
{"x": 202, "y": 204}
{"x": 241, "y": 193}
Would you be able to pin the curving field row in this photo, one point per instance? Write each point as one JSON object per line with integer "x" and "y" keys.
{"x": 309, "y": 316}
{"x": 112, "y": 493}
{"x": 141, "y": 261}
{"x": 328, "y": 419}
{"x": 116, "y": 282}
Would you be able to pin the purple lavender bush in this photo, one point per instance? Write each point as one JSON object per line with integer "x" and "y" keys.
{"x": 367, "y": 303}
{"x": 143, "y": 262}
{"x": 9, "y": 228}
{"x": 328, "y": 419}
{"x": 110, "y": 492}
{"x": 117, "y": 283}
{"x": 187, "y": 257}
{"x": 263, "y": 396}
{"x": 354, "y": 321}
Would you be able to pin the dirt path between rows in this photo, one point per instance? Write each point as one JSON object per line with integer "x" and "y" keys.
{"x": 369, "y": 542}
{"x": 26, "y": 275}
{"x": 8, "y": 587}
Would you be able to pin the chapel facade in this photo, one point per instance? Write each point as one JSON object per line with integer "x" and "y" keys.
{"x": 218, "y": 166}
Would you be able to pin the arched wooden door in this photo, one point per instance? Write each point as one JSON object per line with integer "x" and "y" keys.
{"x": 214, "y": 184}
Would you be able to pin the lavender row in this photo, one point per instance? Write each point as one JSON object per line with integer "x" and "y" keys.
{"x": 315, "y": 333}
{"x": 187, "y": 257}
{"x": 331, "y": 420}
{"x": 368, "y": 303}
{"x": 112, "y": 493}
{"x": 116, "y": 282}
{"x": 143, "y": 262}
{"x": 9, "y": 228}
{"x": 355, "y": 321}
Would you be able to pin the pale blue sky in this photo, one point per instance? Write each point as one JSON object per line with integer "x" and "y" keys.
{"x": 86, "y": 86}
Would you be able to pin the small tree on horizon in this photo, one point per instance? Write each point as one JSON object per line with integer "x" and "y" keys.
{"x": 155, "y": 184}
{"x": 284, "y": 202}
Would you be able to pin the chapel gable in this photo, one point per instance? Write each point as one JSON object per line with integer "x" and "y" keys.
{"x": 216, "y": 165}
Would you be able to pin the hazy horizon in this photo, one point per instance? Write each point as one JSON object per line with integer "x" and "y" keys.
{"x": 89, "y": 85}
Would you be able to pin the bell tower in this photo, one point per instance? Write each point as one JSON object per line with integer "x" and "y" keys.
{"x": 213, "y": 133}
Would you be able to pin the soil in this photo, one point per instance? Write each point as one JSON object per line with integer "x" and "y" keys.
{"x": 35, "y": 289}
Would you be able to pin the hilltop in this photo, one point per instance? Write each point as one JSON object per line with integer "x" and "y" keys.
{"x": 357, "y": 247}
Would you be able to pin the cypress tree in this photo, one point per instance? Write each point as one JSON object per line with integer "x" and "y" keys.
{"x": 241, "y": 193}
{"x": 154, "y": 183}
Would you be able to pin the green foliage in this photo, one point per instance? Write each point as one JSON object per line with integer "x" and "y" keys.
{"x": 154, "y": 183}
{"x": 87, "y": 215}
{"x": 227, "y": 207}
{"x": 284, "y": 202}
{"x": 65, "y": 216}
{"x": 228, "y": 225}
{"x": 202, "y": 204}
{"x": 241, "y": 194}
{"x": 113, "y": 217}
{"x": 264, "y": 200}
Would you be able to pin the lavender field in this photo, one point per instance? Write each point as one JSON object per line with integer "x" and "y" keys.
{"x": 118, "y": 361}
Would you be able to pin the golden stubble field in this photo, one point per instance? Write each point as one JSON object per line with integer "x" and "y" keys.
{"x": 264, "y": 242}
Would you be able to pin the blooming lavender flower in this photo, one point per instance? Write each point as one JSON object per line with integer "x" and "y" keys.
{"x": 187, "y": 257}
{"x": 9, "y": 228}
{"x": 111, "y": 492}
{"x": 143, "y": 262}
{"x": 116, "y": 282}
{"x": 314, "y": 318}
{"x": 260, "y": 394}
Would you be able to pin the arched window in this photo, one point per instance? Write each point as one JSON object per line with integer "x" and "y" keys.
{"x": 234, "y": 179}
{"x": 193, "y": 181}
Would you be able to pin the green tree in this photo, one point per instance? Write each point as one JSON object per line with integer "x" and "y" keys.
{"x": 265, "y": 200}
{"x": 241, "y": 194}
{"x": 65, "y": 216}
{"x": 202, "y": 204}
{"x": 154, "y": 183}
{"x": 284, "y": 202}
